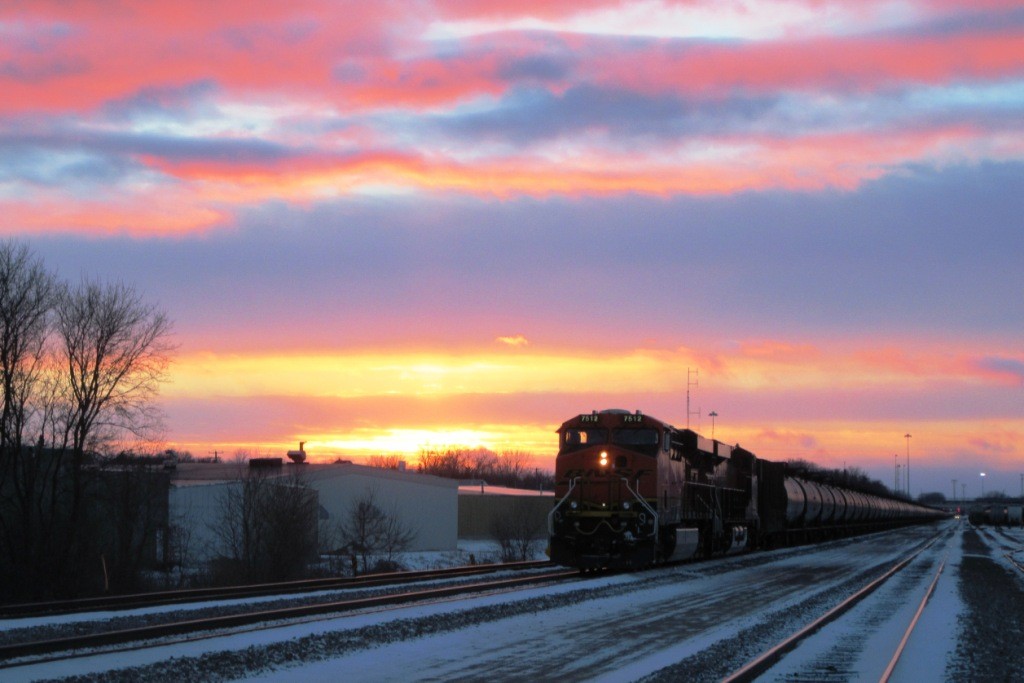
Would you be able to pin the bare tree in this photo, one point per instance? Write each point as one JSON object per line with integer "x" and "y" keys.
{"x": 369, "y": 532}
{"x": 361, "y": 529}
{"x": 517, "y": 532}
{"x": 29, "y": 501}
{"x": 267, "y": 525}
{"x": 385, "y": 462}
{"x": 395, "y": 537}
{"x": 115, "y": 350}
{"x": 77, "y": 366}
{"x": 27, "y": 295}
{"x": 132, "y": 499}
{"x": 510, "y": 467}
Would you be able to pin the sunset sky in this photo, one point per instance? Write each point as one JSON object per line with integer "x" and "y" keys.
{"x": 384, "y": 226}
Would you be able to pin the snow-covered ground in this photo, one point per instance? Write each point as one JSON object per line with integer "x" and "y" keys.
{"x": 691, "y": 622}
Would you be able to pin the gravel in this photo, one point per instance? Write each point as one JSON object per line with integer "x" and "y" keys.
{"x": 992, "y": 626}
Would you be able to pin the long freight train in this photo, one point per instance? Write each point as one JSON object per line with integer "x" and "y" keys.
{"x": 632, "y": 490}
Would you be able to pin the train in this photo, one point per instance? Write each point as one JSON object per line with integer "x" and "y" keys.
{"x": 632, "y": 491}
{"x": 998, "y": 514}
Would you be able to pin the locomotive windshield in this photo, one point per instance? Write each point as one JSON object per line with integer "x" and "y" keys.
{"x": 574, "y": 439}
{"x": 642, "y": 440}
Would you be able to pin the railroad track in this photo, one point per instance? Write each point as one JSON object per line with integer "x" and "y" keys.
{"x": 157, "y": 598}
{"x": 35, "y": 652}
{"x": 769, "y": 658}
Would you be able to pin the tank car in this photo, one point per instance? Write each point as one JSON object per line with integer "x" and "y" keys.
{"x": 632, "y": 490}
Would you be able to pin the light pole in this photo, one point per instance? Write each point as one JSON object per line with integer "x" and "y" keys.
{"x": 982, "y": 484}
{"x": 712, "y": 415}
{"x": 907, "y": 437}
{"x": 954, "y": 491}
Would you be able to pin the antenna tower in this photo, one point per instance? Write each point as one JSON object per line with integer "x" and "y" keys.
{"x": 692, "y": 379}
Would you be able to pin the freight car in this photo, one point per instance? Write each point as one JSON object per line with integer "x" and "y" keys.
{"x": 632, "y": 490}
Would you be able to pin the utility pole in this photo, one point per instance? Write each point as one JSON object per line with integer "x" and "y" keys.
{"x": 896, "y": 469}
{"x": 216, "y": 455}
{"x": 907, "y": 437}
{"x": 692, "y": 379}
{"x": 954, "y": 490}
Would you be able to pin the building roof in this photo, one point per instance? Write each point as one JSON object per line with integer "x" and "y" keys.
{"x": 198, "y": 473}
{"x": 485, "y": 490}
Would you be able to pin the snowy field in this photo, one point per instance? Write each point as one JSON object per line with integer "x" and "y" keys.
{"x": 692, "y": 622}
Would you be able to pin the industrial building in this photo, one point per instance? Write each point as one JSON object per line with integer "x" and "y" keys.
{"x": 424, "y": 504}
{"x": 481, "y": 506}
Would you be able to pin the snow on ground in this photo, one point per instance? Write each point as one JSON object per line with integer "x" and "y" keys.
{"x": 859, "y": 645}
{"x": 257, "y": 638}
{"x": 624, "y": 627}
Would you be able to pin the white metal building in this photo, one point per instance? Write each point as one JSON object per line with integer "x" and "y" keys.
{"x": 425, "y": 504}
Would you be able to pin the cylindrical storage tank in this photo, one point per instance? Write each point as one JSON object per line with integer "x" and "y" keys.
{"x": 855, "y": 511}
{"x": 796, "y": 501}
{"x": 828, "y": 505}
{"x": 842, "y": 515}
{"x": 812, "y": 517}
{"x": 865, "y": 503}
{"x": 874, "y": 509}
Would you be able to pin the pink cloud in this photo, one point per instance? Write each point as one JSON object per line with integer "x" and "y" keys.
{"x": 855, "y": 63}
{"x": 289, "y": 48}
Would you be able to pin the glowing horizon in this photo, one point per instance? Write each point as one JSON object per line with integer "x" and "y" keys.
{"x": 385, "y": 226}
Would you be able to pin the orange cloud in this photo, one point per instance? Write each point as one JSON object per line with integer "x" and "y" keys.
{"x": 515, "y": 341}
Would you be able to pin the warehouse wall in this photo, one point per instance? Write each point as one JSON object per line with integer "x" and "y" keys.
{"x": 478, "y": 512}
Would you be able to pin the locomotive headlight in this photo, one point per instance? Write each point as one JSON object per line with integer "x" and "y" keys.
{"x": 604, "y": 459}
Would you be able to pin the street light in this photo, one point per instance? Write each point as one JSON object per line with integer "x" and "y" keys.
{"x": 982, "y": 484}
{"x": 712, "y": 415}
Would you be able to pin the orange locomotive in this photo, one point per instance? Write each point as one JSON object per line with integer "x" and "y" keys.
{"x": 632, "y": 490}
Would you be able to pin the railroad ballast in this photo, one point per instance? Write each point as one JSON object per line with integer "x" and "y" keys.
{"x": 632, "y": 490}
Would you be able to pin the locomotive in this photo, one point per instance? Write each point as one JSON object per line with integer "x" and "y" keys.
{"x": 632, "y": 490}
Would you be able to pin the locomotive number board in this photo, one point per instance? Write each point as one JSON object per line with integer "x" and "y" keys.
{"x": 591, "y": 418}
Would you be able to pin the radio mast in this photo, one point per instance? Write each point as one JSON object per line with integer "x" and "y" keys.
{"x": 692, "y": 378}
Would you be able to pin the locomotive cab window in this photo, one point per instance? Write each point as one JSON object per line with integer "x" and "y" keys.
{"x": 574, "y": 439}
{"x": 644, "y": 441}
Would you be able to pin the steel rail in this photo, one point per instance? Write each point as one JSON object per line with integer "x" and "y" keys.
{"x": 12, "y": 655}
{"x": 910, "y": 629}
{"x": 757, "y": 666}
{"x": 155, "y": 598}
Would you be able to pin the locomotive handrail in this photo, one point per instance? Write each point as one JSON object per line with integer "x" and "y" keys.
{"x": 551, "y": 515}
{"x": 646, "y": 505}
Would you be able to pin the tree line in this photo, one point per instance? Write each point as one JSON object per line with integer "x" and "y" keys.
{"x": 80, "y": 365}
{"x": 506, "y": 468}
{"x": 852, "y": 478}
